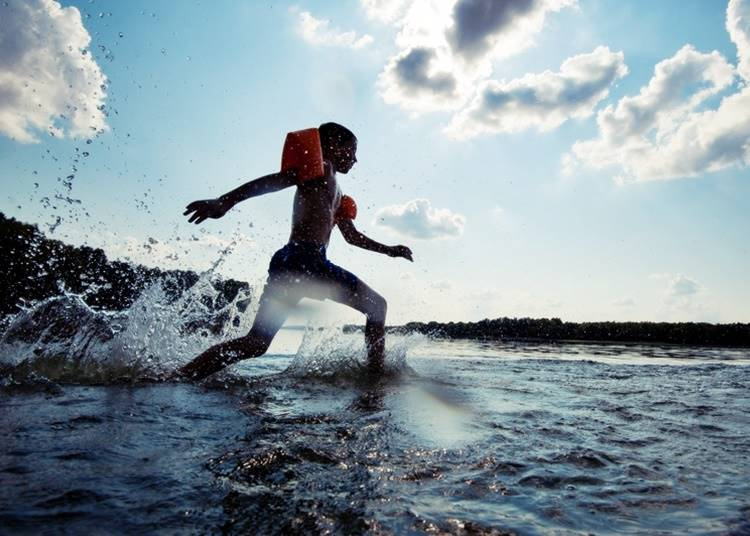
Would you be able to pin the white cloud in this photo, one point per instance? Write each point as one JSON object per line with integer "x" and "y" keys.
{"x": 48, "y": 78}
{"x": 318, "y": 32}
{"x": 738, "y": 26}
{"x": 383, "y": 10}
{"x": 498, "y": 28}
{"x": 412, "y": 80}
{"x": 670, "y": 130}
{"x": 543, "y": 101}
{"x": 447, "y": 47}
{"x": 680, "y": 285}
{"x": 418, "y": 219}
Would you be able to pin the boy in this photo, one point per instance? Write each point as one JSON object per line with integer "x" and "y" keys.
{"x": 301, "y": 269}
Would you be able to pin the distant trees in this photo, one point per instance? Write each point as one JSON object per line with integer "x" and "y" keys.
{"x": 554, "y": 329}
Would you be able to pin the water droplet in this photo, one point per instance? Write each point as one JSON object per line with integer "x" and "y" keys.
{"x": 163, "y": 50}
{"x": 88, "y": 142}
{"x": 85, "y": 153}
{"x": 121, "y": 35}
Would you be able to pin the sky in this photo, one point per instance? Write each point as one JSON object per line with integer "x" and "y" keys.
{"x": 580, "y": 159}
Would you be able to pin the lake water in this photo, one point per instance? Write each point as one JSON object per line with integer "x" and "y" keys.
{"x": 461, "y": 437}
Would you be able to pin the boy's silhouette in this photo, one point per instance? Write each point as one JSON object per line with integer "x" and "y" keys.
{"x": 301, "y": 269}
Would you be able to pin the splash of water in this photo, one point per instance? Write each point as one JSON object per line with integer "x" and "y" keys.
{"x": 325, "y": 354}
{"x": 63, "y": 339}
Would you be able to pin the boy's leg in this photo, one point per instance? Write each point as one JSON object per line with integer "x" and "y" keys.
{"x": 272, "y": 313}
{"x": 373, "y": 305}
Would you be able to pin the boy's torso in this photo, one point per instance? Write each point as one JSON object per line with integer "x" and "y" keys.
{"x": 315, "y": 204}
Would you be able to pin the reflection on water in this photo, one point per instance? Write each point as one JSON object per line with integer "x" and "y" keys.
{"x": 466, "y": 439}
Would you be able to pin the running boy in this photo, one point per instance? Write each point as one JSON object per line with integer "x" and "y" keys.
{"x": 301, "y": 269}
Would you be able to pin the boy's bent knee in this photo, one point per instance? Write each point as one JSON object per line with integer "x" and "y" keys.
{"x": 378, "y": 309}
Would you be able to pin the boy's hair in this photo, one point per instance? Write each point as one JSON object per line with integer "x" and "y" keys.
{"x": 333, "y": 135}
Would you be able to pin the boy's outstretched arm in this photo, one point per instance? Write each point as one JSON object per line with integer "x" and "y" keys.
{"x": 355, "y": 238}
{"x": 216, "y": 208}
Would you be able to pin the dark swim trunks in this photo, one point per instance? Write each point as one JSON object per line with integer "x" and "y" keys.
{"x": 301, "y": 269}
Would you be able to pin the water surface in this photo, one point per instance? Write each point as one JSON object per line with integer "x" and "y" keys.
{"x": 462, "y": 438}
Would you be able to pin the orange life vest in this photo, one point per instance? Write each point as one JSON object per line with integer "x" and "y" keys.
{"x": 302, "y": 152}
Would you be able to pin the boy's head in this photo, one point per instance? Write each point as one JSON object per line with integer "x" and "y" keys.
{"x": 339, "y": 146}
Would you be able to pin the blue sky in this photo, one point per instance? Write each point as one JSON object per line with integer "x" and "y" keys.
{"x": 569, "y": 159}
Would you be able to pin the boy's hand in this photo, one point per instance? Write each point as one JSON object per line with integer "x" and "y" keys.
{"x": 207, "y": 208}
{"x": 400, "y": 251}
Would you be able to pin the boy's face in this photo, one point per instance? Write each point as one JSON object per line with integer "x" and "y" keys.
{"x": 344, "y": 156}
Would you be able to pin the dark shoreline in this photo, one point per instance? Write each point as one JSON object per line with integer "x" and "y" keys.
{"x": 36, "y": 267}
{"x": 554, "y": 330}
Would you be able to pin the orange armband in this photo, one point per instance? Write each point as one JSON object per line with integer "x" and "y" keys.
{"x": 347, "y": 209}
{"x": 303, "y": 153}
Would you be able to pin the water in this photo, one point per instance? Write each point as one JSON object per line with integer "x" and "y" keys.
{"x": 460, "y": 438}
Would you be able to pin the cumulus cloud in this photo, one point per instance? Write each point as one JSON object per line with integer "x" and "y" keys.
{"x": 418, "y": 219}
{"x": 48, "y": 79}
{"x": 410, "y": 77}
{"x": 670, "y": 130}
{"x": 545, "y": 100}
{"x": 447, "y": 47}
{"x": 499, "y": 27}
{"x": 383, "y": 10}
{"x": 318, "y": 32}
{"x": 738, "y": 26}
{"x": 680, "y": 285}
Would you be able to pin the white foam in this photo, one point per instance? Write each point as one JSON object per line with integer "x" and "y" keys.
{"x": 64, "y": 339}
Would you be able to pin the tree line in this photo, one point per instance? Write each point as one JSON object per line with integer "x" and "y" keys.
{"x": 554, "y": 329}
